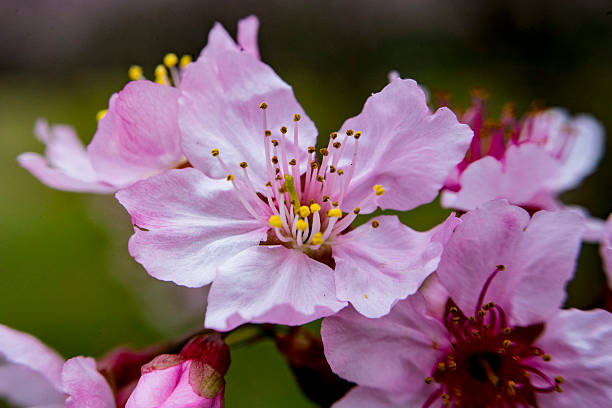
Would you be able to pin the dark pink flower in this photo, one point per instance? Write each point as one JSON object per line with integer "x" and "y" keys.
{"x": 527, "y": 161}
{"x": 268, "y": 220}
{"x": 501, "y": 338}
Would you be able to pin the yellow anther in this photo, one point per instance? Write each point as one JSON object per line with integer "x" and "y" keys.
{"x": 507, "y": 343}
{"x": 333, "y": 135}
{"x": 559, "y": 379}
{"x": 332, "y": 169}
{"x": 301, "y": 225}
{"x": 357, "y": 135}
{"x": 507, "y": 330}
{"x": 161, "y": 71}
{"x": 340, "y": 172}
{"x": 314, "y": 207}
{"x": 453, "y": 309}
{"x": 334, "y": 212}
{"x": 337, "y": 145}
{"x": 267, "y": 133}
{"x": 317, "y": 238}
{"x": 304, "y": 211}
{"x": 185, "y": 60}
{"x": 546, "y": 357}
{"x": 377, "y": 187}
{"x": 366, "y": 296}
{"x": 335, "y": 203}
{"x": 100, "y": 114}
{"x": 375, "y": 224}
{"x": 323, "y": 151}
{"x": 501, "y": 267}
{"x": 326, "y": 198}
{"x": 311, "y": 149}
{"x": 320, "y": 179}
{"x": 283, "y": 129}
{"x": 275, "y": 221}
{"x": 558, "y": 389}
{"x": 135, "y": 72}
{"x": 314, "y": 164}
{"x": 357, "y": 210}
{"x": 441, "y": 366}
{"x": 170, "y": 60}
{"x": 349, "y": 132}
{"x": 263, "y": 105}
{"x": 230, "y": 177}
{"x": 274, "y": 142}
{"x": 428, "y": 380}
{"x": 292, "y": 162}
{"x": 379, "y": 190}
{"x": 296, "y": 117}
{"x": 214, "y": 152}
{"x": 244, "y": 165}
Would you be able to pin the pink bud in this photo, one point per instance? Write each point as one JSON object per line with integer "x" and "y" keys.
{"x": 194, "y": 378}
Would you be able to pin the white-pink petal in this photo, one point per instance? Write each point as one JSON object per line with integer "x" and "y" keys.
{"x": 85, "y": 386}
{"x": 187, "y": 225}
{"x": 386, "y": 264}
{"x": 271, "y": 284}
{"x": 247, "y": 35}
{"x": 404, "y": 147}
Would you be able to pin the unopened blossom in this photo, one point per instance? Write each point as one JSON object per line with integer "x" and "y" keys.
{"x": 527, "y": 161}
{"x": 34, "y": 375}
{"x": 501, "y": 339}
{"x": 137, "y": 136}
{"x": 194, "y": 378}
{"x": 268, "y": 218}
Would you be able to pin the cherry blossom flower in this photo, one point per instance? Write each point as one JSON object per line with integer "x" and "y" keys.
{"x": 194, "y": 378}
{"x": 501, "y": 338}
{"x": 138, "y": 135}
{"x": 528, "y": 161}
{"x": 32, "y": 374}
{"x": 269, "y": 220}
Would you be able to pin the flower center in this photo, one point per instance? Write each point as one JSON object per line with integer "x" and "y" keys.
{"x": 489, "y": 361}
{"x": 302, "y": 208}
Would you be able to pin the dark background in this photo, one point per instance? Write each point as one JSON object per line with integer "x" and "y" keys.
{"x": 65, "y": 272}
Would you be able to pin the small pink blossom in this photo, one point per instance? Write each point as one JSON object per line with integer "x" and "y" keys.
{"x": 32, "y": 374}
{"x": 528, "y": 161}
{"x": 505, "y": 275}
{"x": 138, "y": 136}
{"x": 268, "y": 220}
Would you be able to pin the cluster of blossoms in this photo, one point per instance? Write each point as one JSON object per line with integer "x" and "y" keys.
{"x": 218, "y": 166}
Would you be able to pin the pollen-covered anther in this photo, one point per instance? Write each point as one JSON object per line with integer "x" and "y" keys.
{"x": 314, "y": 207}
{"x": 214, "y": 152}
{"x": 320, "y": 179}
{"x": 333, "y": 135}
{"x": 507, "y": 343}
{"x": 441, "y": 366}
{"x": 380, "y": 190}
{"x": 230, "y": 177}
{"x": 356, "y": 210}
{"x": 170, "y": 60}
{"x": 161, "y": 75}
{"x": 332, "y": 169}
{"x": 324, "y": 151}
{"x": 304, "y": 211}
{"x": 185, "y": 60}
{"x": 275, "y": 221}
{"x": 283, "y": 129}
{"x": 267, "y": 133}
{"x": 292, "y": 162}
{"x": 296, "y": 117}
{"x": 350, "y": 132}
{"x": 337, "y": 145}
{"x": 100, "y": 114}
{"x": 244, "y": 165}
{"x": 334, "y": 212}
{"x": 428, "y": 380}
{"x": 546, "y": 357}
{"x": 452, "y": 365}
{"x": 311, "y": 149}
{"x": 559, "y": 379}
{"x": 375, "y": 224}
{"x": 135, "y": 72}
{"x": 274, "y": 142}
{"x": 314, "y": 165}
{"x": 357, "y": 135}
{"x": 317, "y": 238}
{"x": 263, "y": 105}
{"x": 326, "y": 198}
{"x": 274, "y": 160}
{"x": 340, "y": 172}
{"x": 501, "y": 267}
{"x": 335, "y": 203}
{"x": 511, "y": 388}
{"x": 301, "y": 225}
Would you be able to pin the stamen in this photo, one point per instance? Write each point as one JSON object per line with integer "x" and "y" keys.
{"x": 170, "y": 60}
{"x": 185, "y": 60}
{"x": 135, "y": 73}
{"x": 100, "y": 114}
{"x": 275, "y": 221}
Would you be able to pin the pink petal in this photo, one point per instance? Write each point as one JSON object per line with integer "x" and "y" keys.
{"x": 528, "y": 169}
{"x": 366, "y": 397}
{"x": 539, "y": 256}
{"x": 387, "y": 263}
{"x": 581, "y": 350}
{"x": 193, "y": 224}
{"x": 271, "y": 284}
{"x": 139, "y": 136}
{"x": 220, "y": 109}
{"x": 394, "y": 353}
{"x": 219, "y": 41}
{"x": 404, "y": 147}
{"x": 66, "y": 165}
{"x": 85, "y": 386}
{"x": 22, "y": 349}
{"x": 435, "y": 295}
{"x": 247, "y": 35}
{"x": 606, "y": 248}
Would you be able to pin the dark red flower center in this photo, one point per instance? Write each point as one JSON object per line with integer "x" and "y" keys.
{"x": 490, "y": 363}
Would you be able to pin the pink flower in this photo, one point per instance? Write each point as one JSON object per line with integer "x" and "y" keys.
{"x": 191, "y": 379}
{"x": 32, "y": 374}
{"x": 501, "y": 338}
{"x": 138, "y": 136}
{"x": 269, "y": 220}
{"x": 606, "y": 248}
{"x": 528, "y": 161}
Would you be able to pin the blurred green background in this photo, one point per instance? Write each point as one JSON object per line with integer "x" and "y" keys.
{"x": 66, "y": 276}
